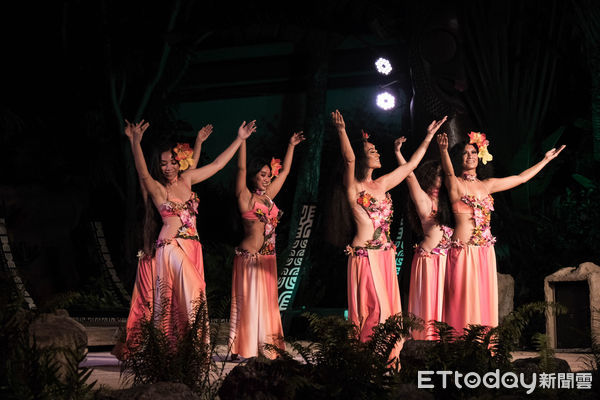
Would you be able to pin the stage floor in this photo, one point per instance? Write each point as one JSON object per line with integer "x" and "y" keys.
{"x": 106, "y": 366}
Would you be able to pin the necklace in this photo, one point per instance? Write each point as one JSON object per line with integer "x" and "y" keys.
{"x": 173, "y": 182}
{"x": 260, "y": 192}
{"x": 469, "y": 177}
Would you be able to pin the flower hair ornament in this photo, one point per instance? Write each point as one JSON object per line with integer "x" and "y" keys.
{"x": 482, "y": 143}
{"x": 275, "y": 166}
{"x": 365, "y": 135}
{"x": 183, "y": 155}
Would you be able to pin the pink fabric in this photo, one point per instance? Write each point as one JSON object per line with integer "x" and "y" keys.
{"x": 255, "y": 319}
{"x": 142, "y": 295}
{"x": 471, "y": 287}
{"x": 426, "y": 293}
{"x": 252, "y": 215}
{"x": 179, "y": 285}
{"x": 373, "y": 293}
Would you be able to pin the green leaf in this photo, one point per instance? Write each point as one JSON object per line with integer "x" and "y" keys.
{"x": 583, "y": 181}
{"x": 377, "y": 233}
{"x": 550, "y": 141}
{"x": 583, "y": 123}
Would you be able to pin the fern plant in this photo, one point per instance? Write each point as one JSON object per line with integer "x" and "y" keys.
{"x": 29, "y": 371}
{"x": 185, "y": 355}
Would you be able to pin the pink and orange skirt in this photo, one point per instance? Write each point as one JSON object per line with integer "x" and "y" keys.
{"x": 426, "y": 293}
{"x": 373, "y": 293}
{"x": 255, "y": 319}
{"x": 471, "y": 287}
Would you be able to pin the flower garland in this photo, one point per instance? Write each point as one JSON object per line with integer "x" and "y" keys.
{"x": 380, "y": 212}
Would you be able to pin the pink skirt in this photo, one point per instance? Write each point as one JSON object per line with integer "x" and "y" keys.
{"x": 179, "y": 287}
{"x": 426, "y": 293}
{"x": 142, "y": 295}
{"x": 255, "y": 319}
{"x": 373, "y": 293}
{"x": 471, "y": 287}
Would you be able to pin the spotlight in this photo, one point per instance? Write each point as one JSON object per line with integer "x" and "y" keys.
{"x": 386, "y": 101}
{"x": 383, "y": 66}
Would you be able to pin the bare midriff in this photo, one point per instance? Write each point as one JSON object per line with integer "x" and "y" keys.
{"x": 433, "y": 234}
{"x": 170, "y": 227}
{"x": 464, "y": 227}
{"x": 254, "y": 235}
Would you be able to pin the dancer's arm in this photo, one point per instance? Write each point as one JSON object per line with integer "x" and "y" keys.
{"x": 501, "y": 184}
{"x": 347, "y": 153}
{"x": 134, "y": 133}
{"x": 203, "y": 134}
{"x": 200, "y": 174}
{"x": 242, "y": 193}
{"x": 450, "y": 179}
{"x": 393, "y": 179}
{"x": 278, "y": 181}
{"x": 420, "y": 199}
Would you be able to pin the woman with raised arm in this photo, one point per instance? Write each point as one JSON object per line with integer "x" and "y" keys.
{"x": 255, "y": 319}
{"x": 471, "y": 284}
{"x": 429, "y": 216}
{"x": 373, "y": 293}
{"x": 179, "y": 273}
{"x": 141, "y": 296}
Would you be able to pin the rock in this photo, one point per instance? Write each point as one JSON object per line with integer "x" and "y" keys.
{"x": 263, "y": 379}
{"x": 410, "y": 391}
{"x": 155, "y": 391}
{"x": 532, "y": 364}
{"x": 506, "y": 294}
{"x": 59, "y": 331}
{"x": 587, "y": 271}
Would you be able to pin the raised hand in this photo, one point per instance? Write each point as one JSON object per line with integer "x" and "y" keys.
{"x": 246, "y": 129}
{"x": 552, "y": 153}
{"x": 135, "y": 131}
{"x": 442, "y": 140}
{"x": 338, "y": 120}
{"x": 297, "y": 138}
{"x": 204, "y": 133}
{"x": 398, "y": 144}
{"x": 435, "y": 125}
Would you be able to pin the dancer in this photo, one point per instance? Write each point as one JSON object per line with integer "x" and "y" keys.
{"x": 429, "y": 216}
{"x": 255, "y": 319}
{"x": 142, "y": 294}
{"x": 179, "y": 272}
{"x": 471, "y": 283}
{"x": 373, "y": 293}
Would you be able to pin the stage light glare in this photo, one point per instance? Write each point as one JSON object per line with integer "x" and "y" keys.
{"x": 386, "y": 101}
{"x": 383, "y": 66}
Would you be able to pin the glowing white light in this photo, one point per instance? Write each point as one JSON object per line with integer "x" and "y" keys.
{"x": 386, "y": 101}
{"x": 383, "y": 66}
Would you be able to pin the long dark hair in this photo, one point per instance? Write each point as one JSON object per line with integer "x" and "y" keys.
{"x": 152, "y": 219}
{"x": 456, "y": 154}
{"x": 253, "y": 167}
{"x": 360, "y": 163}
{"x": 426, "y": 175}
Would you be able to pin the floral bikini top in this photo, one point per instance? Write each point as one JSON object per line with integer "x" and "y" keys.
{"x": 482, "y": 214}
{"x": 186, "y": 211}
{"x": 380, "y": 212}
{"x": 268, "y": 216}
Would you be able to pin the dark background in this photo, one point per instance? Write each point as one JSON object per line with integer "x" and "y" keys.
{"x": 525, "y": 74}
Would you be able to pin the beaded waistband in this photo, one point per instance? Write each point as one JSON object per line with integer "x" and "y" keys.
{"x": 362, "y": 251}
{"x": 164, "y": 242}
{"x": 245, "y": 253}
